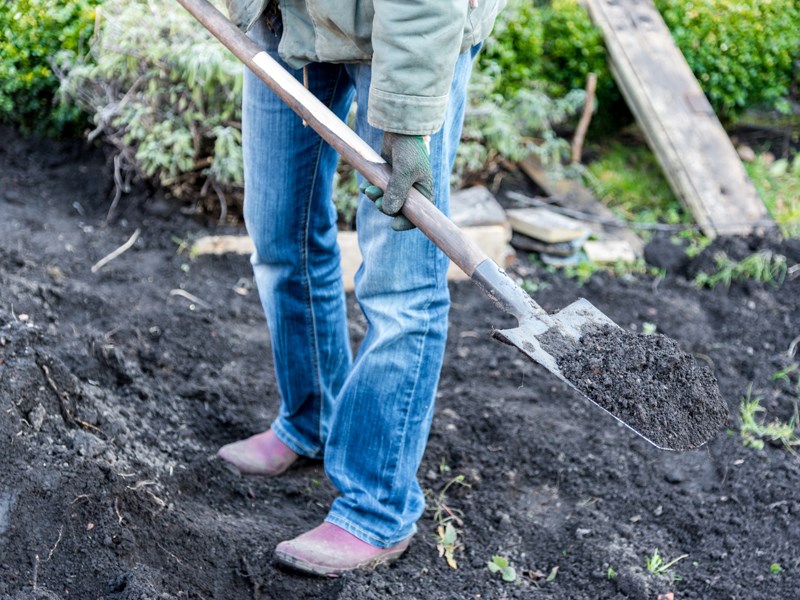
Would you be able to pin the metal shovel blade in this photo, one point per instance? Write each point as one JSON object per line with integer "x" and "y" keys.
{"x": 542, "y": 341}
{"x": 681, "y": 409}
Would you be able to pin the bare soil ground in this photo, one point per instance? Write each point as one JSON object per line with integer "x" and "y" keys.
{"x": 116, "y": 389}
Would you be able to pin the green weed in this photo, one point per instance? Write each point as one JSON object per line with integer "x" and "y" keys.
{"x": 754, "y": 431}
{"x": 612, "y": 574}
{"x": 783, "y": 374}
{"x": 648, "y": 328}
{"x": 500, "y": 564}
{"x": 583, "y": 271}
{"x": 764, "y": 266}
{"x": 446, "y": 518}
{"x": 775, "y": 568}
{"x": 778, "y": 184}
{"x": 658, "y": 566}
{"x": 630, "y": 181}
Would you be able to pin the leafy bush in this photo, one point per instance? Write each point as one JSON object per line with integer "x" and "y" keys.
{"x": 31, "y": 33}
{"x": 742, "y": 53}
{"x": 166, "y": 95}
{"x": 499, "y": 127}
{"x": 552, "y": 47}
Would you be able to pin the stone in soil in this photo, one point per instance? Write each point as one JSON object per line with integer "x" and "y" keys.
{"x": 649, "y": 383}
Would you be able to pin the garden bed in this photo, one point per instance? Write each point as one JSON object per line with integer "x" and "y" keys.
{"x": 117, "y": 387}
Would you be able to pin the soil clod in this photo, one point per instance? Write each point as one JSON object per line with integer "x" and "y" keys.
{"x": 649, "y": 383}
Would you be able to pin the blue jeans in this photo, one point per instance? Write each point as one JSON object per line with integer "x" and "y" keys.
{"x": 367, "y": 417}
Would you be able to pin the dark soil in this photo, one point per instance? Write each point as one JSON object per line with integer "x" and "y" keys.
{"x": 650, "y": 384}
{"x": 116, "y": 391}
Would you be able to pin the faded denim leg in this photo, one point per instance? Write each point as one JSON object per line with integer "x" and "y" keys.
{"x": 292, "y": 221}
{"x": 383, "y": 412}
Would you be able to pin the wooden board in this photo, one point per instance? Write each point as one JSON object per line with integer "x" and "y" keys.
{"x": 545, "y": 225}
{"x": 571, "y": 194}
{"x": 491, "y": 239}
{"x": 694, "y": 151}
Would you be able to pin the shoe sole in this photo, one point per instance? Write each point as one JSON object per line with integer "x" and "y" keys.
{"x": 307, "y": 567}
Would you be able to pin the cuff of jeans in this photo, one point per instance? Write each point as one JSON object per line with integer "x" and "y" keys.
{"x": 409, "y": 115}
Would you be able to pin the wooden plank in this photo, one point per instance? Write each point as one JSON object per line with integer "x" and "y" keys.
{"x": 693, "y": 149}
{"x": 571, "y": 194}
{"x": 609, "y": 251}
{"x": 545, "y": 225}
{"x": 491, "y": 239}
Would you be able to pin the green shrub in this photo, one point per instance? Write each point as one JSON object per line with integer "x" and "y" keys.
{"x": 512, "y": 55}
{"x": 167, "y": 95}
{"x": 551, "y": 47}
{"x": 573, "y": 47}
{"x": 32, "y": 32}
{"x": 742, "y": 53}
{"x": 498, "y": 127}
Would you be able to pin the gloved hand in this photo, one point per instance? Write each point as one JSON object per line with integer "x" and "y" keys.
{"x": 410, "y": 160}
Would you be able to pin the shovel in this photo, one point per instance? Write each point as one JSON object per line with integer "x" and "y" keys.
{"x": 547, "y": 339}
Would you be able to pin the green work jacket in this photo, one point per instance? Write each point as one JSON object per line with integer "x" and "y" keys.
{"x": 412, "y": 45}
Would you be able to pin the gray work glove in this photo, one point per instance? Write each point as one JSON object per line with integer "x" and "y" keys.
{"x": 410, "y": 160}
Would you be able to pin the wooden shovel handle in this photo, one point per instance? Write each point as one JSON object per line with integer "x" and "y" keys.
{"x": 355, "y": 151}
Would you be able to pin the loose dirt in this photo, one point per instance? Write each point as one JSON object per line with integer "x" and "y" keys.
{"x": 116, "y": 391}
{"x": 650, "y": 384}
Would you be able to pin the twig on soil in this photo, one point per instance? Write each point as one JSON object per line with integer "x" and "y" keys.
{"x": 63, "y": 397}
{"x": 190, "y": 297}
{"x": 179, "y": 561}
{"x": 58, "y": 541}
{"x": 140, "y": 484}
{"x": 253, "y": 579}
{"x": 116, "y": 511}
{"x": 793, "y": 346}
{"x": 119, "y": 187}
{"x": 81, "y": 497}
{"x": 223, "y": 211}
{"x": 87, "y": 425}
{"x": 122, "y": 249}
{"x": 35, "y": 577}
{"x": 161, "y": 503}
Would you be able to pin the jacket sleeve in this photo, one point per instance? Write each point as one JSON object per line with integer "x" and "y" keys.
{"x": 415, "y": 45}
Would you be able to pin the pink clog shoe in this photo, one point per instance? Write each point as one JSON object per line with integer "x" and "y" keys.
{"x": 261, "y": 454}
{"x": 330, "y": 550}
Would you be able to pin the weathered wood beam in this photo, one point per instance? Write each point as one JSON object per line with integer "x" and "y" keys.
{"x": 686, "y": 136}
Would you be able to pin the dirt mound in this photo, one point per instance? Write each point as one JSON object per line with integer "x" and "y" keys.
{"x": 650, "y": 384}
{"x": 117, "y": 387}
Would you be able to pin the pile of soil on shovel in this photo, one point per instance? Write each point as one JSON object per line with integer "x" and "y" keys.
{"x": 648, "y": 382}
{"x": 118, "y": 386}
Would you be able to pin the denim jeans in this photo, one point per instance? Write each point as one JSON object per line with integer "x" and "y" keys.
{"x": 367, "y": 417}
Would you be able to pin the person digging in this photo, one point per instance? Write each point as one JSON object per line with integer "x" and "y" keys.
{"x": 407, "y": 65}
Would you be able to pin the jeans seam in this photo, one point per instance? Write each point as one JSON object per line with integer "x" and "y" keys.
{"x": 420, "y": 352}
{"x": 309, "y": 302}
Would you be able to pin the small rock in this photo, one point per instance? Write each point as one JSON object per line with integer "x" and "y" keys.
{"x": 86, "y": 444}
{"x": 36, "y": 416}
{"x": 503, "y": 520}
{"x": 746, "y": 153}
